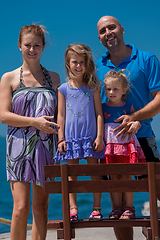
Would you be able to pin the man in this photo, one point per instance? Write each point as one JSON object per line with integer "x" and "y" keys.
{"x": 144, "y": 77}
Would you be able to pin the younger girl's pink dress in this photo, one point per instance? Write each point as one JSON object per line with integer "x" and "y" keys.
{"x": 117, "y": 150}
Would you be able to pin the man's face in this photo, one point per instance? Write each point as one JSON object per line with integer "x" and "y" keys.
{"x": 110, "y": 32}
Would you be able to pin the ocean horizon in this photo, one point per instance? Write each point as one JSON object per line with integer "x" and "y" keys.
{"x": 84, "y": 201}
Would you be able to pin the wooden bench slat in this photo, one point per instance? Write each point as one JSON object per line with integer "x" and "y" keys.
{"x": 98, "y": 186}
{"x": 54, "y": 224}
{"x": 107, "y": 169}
{"x": 52, "y": 171}
{"x": 108, "y": 186}
{"x": 53, "y": 187}
{"x": 85, "y": 223}
{"x": 103, "y": 169}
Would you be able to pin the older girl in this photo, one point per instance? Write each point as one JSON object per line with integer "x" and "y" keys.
{"x": 80, "y": 118}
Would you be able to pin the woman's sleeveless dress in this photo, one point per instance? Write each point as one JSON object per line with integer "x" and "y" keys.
{"x": 29, "y": 149}
{"x": 80, "y": 124}
{"x": 117, "y": 150}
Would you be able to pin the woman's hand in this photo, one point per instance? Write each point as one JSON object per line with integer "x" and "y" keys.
{"x": 44, "y": 125}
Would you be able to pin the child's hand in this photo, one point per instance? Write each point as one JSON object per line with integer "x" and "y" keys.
{"x": 62, "y": 147}
{"x": 98, "y": 145}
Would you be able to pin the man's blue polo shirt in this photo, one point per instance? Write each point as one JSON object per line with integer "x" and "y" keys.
{"x": 144, "y": 69}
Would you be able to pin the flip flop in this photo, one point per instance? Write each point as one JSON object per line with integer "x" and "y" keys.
{"x": 95, "y": 216}
{"x": 74, "y": 217}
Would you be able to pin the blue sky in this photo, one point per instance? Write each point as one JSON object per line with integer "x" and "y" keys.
{"x": 72, "y": 22}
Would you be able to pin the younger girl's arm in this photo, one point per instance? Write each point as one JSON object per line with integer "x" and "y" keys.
{"x": 98, "y": 142}
{"x": 61, "y": 122}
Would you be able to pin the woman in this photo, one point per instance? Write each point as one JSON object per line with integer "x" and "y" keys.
{"x": 27, "y": 106}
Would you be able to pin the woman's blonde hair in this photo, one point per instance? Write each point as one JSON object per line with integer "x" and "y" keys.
{"x": 89, "y": 76}
{"x": 121, "y": 77}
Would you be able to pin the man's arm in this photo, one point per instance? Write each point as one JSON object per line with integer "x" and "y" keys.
{"x": 149, "y": 111}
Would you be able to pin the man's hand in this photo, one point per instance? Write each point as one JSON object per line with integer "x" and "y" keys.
{"x": 123, "y": 128}
{"x": 134, "y": 126}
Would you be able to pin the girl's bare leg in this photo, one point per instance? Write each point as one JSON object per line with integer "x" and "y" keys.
{"x": 73, "y": 196}
{"x": 117, "y": 196}
{"x": 122, "y": 233}
{"x": 96, "y": 196}
{"x": 21, "y": 197}
{"x": 40, "y": 204}
{"x": 128, "y": 195}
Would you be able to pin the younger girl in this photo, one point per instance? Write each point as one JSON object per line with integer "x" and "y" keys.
{"x": 118, "y": 150}
{"x": 80, "y": 118}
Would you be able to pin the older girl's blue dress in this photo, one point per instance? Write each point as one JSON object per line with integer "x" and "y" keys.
{"x": 80, "y": 123}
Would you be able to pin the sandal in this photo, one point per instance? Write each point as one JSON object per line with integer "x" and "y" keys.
{"x": 96, "y": 214}
{"x": 116, "y": 213}
{"x": 74, "y": 216}
{"x": 129, "y": 213}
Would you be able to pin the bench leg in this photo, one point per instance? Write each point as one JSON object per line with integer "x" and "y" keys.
{"x": 60, "y": 233}
{"x": 147, "y": 232}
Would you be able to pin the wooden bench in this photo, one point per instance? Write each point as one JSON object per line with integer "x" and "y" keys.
{"x": 66, "y": 229}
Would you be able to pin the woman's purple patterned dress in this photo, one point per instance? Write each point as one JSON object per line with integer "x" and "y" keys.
{"x": 29, "y": 149}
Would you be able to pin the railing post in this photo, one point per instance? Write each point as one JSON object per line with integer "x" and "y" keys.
{"x": 65, "y": 202}
{"x": 153, "y": 200}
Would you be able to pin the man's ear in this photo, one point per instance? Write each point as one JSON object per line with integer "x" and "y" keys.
{"x": 122, "y": 29}
{"x": 99, "y": 38}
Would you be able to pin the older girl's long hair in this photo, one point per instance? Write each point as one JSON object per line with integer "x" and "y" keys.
{"x": 89, "y": 76}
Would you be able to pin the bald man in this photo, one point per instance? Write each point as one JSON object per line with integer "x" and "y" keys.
{"x": 144, "y": 69}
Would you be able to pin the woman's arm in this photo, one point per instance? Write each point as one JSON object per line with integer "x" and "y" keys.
{"x": 15, "y": 120}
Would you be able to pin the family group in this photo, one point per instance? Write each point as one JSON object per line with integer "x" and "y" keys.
{"x": 102, "y": 113}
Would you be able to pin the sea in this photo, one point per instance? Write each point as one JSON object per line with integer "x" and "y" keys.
{"x": 84, "y": 201}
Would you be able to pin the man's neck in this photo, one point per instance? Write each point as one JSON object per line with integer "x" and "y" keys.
{"x": 116, "y": 56}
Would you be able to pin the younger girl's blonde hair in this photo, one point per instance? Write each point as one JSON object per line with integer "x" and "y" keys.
{"x": 121, "y": 77}
{"x": 83, "y": 50}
